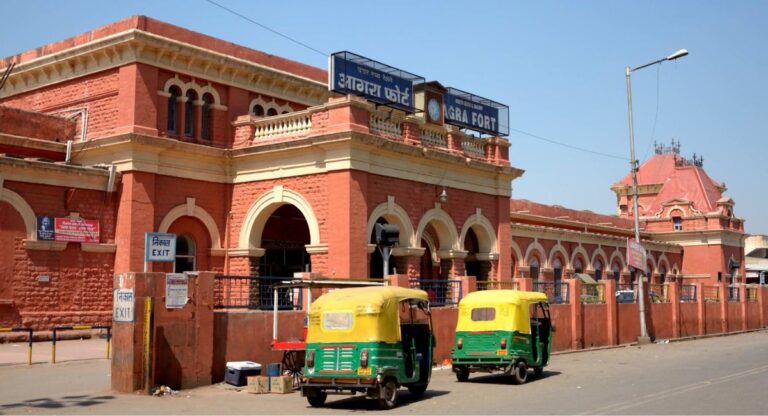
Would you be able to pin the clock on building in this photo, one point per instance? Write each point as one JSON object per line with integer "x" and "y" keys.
{"x": 433, "y": 109}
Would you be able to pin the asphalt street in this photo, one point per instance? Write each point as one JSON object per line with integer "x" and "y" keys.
{"x": 719, "y": 375}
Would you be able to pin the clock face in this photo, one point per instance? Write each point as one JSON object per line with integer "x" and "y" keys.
{"x": 433, "y": 109}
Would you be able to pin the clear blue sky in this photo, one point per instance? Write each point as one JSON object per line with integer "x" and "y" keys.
{"x": 558, "y": 65}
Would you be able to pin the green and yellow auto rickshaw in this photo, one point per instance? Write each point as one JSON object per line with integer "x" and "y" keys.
{"x": 502, "y": 330}
{"x": 370, "y": 340}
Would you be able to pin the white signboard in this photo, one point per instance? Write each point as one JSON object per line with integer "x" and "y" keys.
{"x": 159, "y": 247}
{"x": 122, "y": 309}
{"x": 176, "y": 290}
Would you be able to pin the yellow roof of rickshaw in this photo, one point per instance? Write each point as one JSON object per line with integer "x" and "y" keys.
{"x": 515, "y": 297}
{"x": 373, "y": 296}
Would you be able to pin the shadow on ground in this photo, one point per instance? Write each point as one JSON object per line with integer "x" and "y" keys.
{"x": 360, "y": 402}
{"x": 60, "y": 403}
{"x": 507, "y": 379}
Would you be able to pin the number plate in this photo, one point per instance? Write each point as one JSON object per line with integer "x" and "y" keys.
{"x": 364, "y": 371}
{"x": 501, "y": 352}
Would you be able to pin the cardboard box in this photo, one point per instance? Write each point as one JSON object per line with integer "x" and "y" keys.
{"x": 258, "y": 384}
{"x": 282, "y": 384}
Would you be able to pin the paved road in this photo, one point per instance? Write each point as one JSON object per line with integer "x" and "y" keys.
{"x": 723, "y": 375}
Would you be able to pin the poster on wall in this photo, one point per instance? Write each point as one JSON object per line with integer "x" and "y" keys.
{"x": 77, "y": 230}
{"x": 176, "y": 290}
{"x": 45, "y": 228}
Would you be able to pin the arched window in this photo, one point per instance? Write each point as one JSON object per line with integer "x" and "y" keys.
{"x": 577, "y": 266}
{"x": 598, "y": 269}
{"x": 616, "y": 272}
{"x": 557, "y": 267}
{"x": 207, "y": 115}
{"x": 185, "y": 255}
{"x": 258, "y": 110}
{"x": 662, "y": 274}
{"x": 534, "y": 269}
{"x": 189, "y": 114}
{"x": 173, "y": 114}
{"x": 271, "y": 112}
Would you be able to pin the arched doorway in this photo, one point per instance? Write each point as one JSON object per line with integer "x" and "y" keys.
{"x": 284, "y": 238}
{"x": 472, "y": 265}
{"x": 430, "y": 269}
{"x": 12, "y": 232}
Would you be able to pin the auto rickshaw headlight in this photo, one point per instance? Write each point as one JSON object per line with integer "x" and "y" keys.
{"x": 503, "y": 343}
{"x": 364, "y": 358}
{"x": 310, "y": 358}
{"x": 460, "y": 343}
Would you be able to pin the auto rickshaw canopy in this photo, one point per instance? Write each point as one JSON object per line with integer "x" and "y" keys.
{"x": 359, "y": 314}
{"x": 510, "y": 310}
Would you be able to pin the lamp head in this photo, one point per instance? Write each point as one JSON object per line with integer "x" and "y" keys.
{"x": 443, "y": 197}
{"x": 679, "y": 54}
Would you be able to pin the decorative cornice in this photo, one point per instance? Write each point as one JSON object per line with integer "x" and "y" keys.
{"x": 139, "y": 46}
{"x": 703, "y": 238}
{"x": 53, "y": 173}
{"x": 557, "y": 234}
{"x": 316, "y": 249}
{"x": 246, "y": 252}
{"x": 408, "y": 251}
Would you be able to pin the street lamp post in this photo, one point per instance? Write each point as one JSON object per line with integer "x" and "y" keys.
{"x": 643, "y": 338}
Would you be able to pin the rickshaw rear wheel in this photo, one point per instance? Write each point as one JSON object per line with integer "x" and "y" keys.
{"x": 417, "y": 390}
{"x": 315, "y": 397}
{"x": 389, "y": 391}
{"x": 520, "y": 373}
{"x": 462, "y": 373}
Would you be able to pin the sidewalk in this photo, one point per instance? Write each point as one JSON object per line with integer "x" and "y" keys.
{"x": 69, "y": 350}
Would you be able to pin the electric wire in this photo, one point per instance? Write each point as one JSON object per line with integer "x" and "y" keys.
{"x": 242, "y": 16}
{"x": 555, "y": 142}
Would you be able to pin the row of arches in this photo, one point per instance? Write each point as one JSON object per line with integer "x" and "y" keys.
{"x": 600, "y": 264}
{"x": 190, "y": 109}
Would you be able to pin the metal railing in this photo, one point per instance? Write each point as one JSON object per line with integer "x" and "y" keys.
{"x": 496, "y": 285}
{"x": 557, "y": 292}
{"x": 592, "y": 293}
{"x": 710, "y": 293}
{"x": 733, "y": 293}
{"x": 78, "y": 328}
{"x": 752, "y": 293}
{"x": 688, "y": 293}
{"x": 30, "y": 335}
{"x": 441, "y": 292}
{"x": 254, "y": 292}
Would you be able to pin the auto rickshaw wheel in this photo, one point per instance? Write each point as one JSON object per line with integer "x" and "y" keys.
{"x": 315, "y": 397}
{"x": 417, "y": 390}
{"x": 389, "y": 393}
{"x": 520, "y": 373}
{"x": 462, "y": 373}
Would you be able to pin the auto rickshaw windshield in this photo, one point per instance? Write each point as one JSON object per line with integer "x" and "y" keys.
{"x": 360, "y": 314}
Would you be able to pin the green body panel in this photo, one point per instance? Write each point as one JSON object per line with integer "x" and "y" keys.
{"x": 484, "y": 348}
{"x": 342, "y": 360}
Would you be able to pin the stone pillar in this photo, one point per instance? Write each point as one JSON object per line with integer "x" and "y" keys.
{"x": 612, "y": 323}
{"x": 411, "y": 131}
{"x": 197, "y": 129}
{"x": 347, "y": 218}
{"x": 673, "y": 289}
{"x": 574, "y": 298}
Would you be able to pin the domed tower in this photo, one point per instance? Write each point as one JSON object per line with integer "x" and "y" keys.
{"x": 679, "y": 203}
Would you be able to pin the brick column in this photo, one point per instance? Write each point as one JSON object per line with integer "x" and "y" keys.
{"x": 612, "y": 323}
{"x": 673, "y": 288}
{"x": 411, "y": 132}
{"x": 761, "y": 298}
{"x": 197, "y": 128}
{"x": 137, "y": 94}
{"x": 347, "y": 218}
{"x": 525, "y": 284}
{"x": 743, "y": 302}
{"x": 399, "y": 280}
{"x": 701, "y": 309}
{"x": 136, "y": 216}
{"x": 577, "y": 333}
{"x": 468, "y": 285}
{"x": 723, "y": 307}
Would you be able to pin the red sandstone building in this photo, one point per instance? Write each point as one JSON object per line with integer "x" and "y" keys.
{"x": 259, "y": 169}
